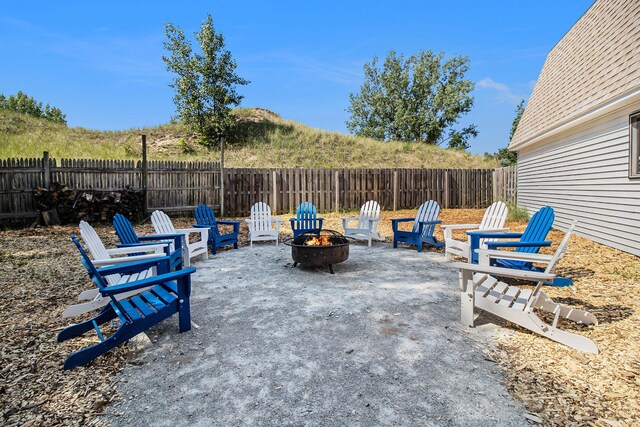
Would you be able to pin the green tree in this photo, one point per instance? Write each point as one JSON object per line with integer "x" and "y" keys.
{"x": 504, "y": 156}
{"x": 25, "y": 104}
{"x": 417, "y": 99}
{"x": 54, "y": 114}
{"x": 205, "y": 86}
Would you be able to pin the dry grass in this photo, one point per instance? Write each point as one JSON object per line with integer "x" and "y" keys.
{"x": 40, "y": 275}
{"x": 262, "y": 139}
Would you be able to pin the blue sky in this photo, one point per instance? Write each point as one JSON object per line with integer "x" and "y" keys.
{"x": 100, "y": 62}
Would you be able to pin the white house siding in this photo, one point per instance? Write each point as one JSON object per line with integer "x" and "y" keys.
{"x": 584, "y": 174}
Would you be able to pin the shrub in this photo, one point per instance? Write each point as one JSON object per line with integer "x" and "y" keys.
{"x": 517, "y": 213}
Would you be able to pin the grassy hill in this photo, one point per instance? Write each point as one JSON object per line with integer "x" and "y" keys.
{"x": 261, "y": 139}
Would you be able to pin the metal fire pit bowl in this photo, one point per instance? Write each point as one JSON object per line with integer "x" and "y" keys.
{"x": 319, "y": 256}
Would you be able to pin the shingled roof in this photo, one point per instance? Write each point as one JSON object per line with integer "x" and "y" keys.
{"x": 597, "y": 61}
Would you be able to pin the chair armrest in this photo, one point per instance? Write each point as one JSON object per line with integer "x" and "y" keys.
{"x": 351, "y": 218}
{"x": 493, "y": 245}
{"x": 460, "y": 226}
{"x": 276, "y": 220}
{"x": 402, "y": 219}
{"x": 197, "y": 228}
{"x": 533, "y": 276}
{"x": 516, "y": 256}
{"x": 437, "y": 221}
{"x": 144, "y": 283}
{"x": 491, "y": 235}
{"x": 161, "y": 236}
{"x": 132, "y": 267}
{"x": 494, "y": 230}
{"x": 124, "y": 260}
{"x": 134, "y": 249}
{"x": 133, "y": 245}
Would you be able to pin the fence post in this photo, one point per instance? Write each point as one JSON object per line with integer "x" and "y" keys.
{"x": 336, "y": 189}
{"x": 222, "y": 177}
{"x": 46, "y": 170}
{"x": 144, "y": 172}
{"x": 396, "y": 190}
{"x": 447, "y": 188}
{"x": 274, "y": 191}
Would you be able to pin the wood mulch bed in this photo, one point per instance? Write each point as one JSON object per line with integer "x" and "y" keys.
{"x": 40, "y": 275}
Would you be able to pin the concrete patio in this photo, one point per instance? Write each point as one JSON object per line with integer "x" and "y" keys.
{"x": 378, "y": 343}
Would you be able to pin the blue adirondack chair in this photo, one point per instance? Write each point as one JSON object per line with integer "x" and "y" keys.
{"x": 530, "y": 241}
{"x": 306, "y": 219}
{"x": 169, "y": 294}
{"x": 128, "y": 237}
{"x": 205, "y": 218}
{"x": 424, "y": 224}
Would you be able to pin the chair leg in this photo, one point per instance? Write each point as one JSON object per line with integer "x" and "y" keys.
{"x": 184, "y": 308}
{"x": 86, "y": 355}
{"x": 80, "y": 328}
{"x": 395, "y": 243}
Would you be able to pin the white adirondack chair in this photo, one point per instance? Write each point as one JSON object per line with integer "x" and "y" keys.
{"x": 367, "y": 223}
{"x": 261, "y": 224}
{"x": 480, "y": 289}
{"x": 162, "y": 225}
{"x": 103, "y": 257}
{"x": 493, "y": 220}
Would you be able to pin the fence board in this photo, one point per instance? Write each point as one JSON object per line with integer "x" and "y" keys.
{"x": 504, "y": 184}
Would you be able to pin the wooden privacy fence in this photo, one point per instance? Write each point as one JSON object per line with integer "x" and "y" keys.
{"x": 505, "y": 184}
{"x": 179, "y": 186}
{"x": 348, "y": 189}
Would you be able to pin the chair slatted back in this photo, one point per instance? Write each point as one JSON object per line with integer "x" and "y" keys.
{"x": 537, "y": 229}
{"x": 306, "y": 216}
{"x": 494, "y": 217}
{"x": 125, "y": 230}
{"x": 261, "y": 217}
{"x": 370, "y": 210}
{"x": 96, "y": 277}
{"x": 205, "y": 216}
{"x": 561, "y": 250}
{"x": 162, "y": 223}
{"x": 428, "y": 211}
{"x": 93, "y": 241}
{"x": 97, "y": 248}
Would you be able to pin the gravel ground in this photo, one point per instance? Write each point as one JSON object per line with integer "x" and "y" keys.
{"x": 378, "y": 343}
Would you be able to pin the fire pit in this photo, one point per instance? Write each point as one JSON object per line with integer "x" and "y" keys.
{"x": 319, "y": 248}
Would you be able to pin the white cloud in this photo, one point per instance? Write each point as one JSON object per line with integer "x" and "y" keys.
{"x": 504, "y": 92}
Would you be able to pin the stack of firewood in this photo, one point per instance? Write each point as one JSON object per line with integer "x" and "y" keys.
{"x": 61, "y": 204}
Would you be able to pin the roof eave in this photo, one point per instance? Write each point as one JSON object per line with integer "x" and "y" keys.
{"x": 591, "y": 114}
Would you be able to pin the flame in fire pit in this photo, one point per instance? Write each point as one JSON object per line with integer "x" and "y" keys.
{"x": 319, "y": 241}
